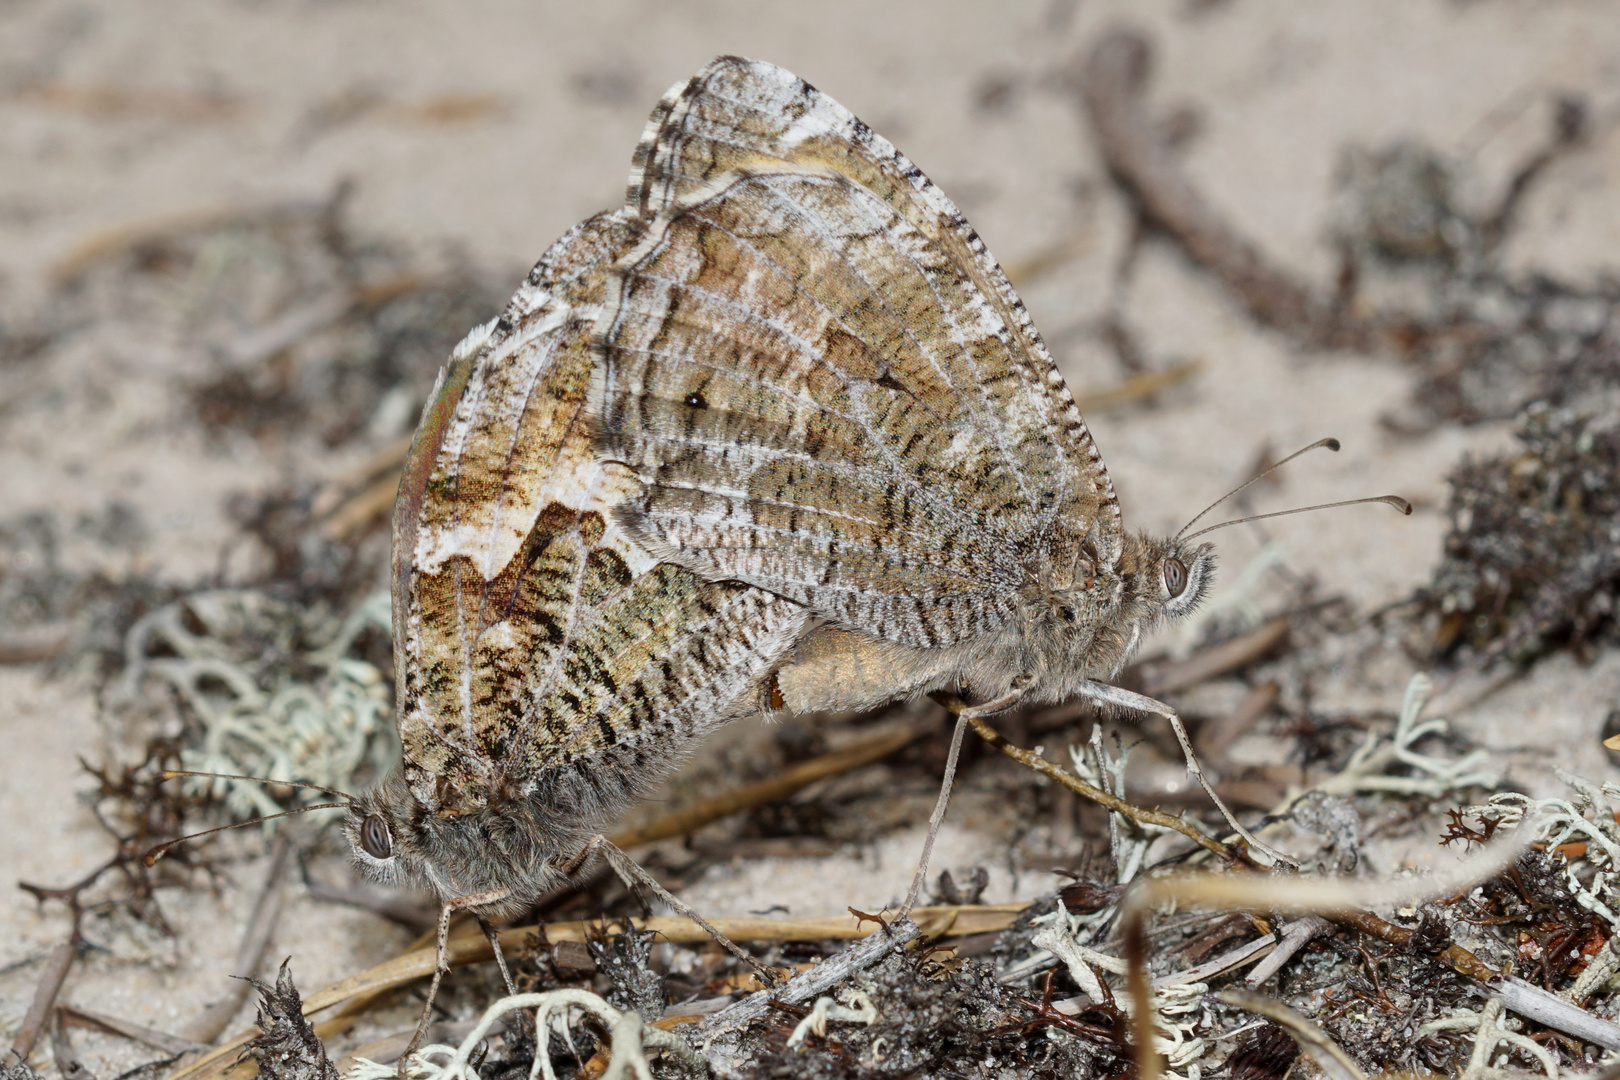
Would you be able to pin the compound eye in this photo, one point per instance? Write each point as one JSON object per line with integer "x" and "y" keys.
{"x": 1175, "y": 576}
{"x": 374, "y": 837}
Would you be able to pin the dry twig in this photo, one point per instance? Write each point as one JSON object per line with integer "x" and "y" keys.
{"x": 475, "y": 948}
{"x": 67, "y": 1059}
{"x": 809, "y": 985}
{"x": 39, "y": 1010}
{"x": 261, "y": 924}
{"x": 690, "y": 819}
{"x": 1034, "y": 761}
{"x": 1295, "y": 936}
{"x": 1110, "y": 81}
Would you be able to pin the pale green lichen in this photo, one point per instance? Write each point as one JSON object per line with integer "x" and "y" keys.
{"x": 1178, "y": 1008}
{"x": 1586, "y": 818}
{"x": 266, "y": 691}
{"x": 631, "y": 1039}
{"x": 1369, "y": 768}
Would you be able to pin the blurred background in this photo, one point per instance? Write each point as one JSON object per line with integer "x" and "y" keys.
{"x": 237, "y": 240}
{"x": 454, "y": 142}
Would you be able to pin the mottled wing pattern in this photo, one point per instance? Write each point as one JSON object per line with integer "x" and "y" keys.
{"x": 827, "y": 386}
{"x": 532, "y": 634}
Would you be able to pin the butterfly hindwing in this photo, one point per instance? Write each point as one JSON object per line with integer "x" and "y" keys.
{"x": 533, "y": 635}
{"x": 824, "y": 383}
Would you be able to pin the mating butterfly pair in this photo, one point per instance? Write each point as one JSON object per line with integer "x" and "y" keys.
{"x": 778, "y": 434}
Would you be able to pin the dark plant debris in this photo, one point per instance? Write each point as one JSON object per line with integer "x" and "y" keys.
{"x": 623, "y": 958}
{"x": 954, "y": 1020}
{"x": 137, "y": 810}
{"x": 1266, "y": 1053}
{"x": 291, "y": 318}
{"x": 1532, "y": 561}
{"x": 1488, "y": 340}
{"x": 287, "y": 1047}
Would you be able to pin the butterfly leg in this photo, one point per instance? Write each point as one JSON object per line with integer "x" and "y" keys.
{"x": 1126, "y": 699}
{"x": 631, "y": 873}
{"x": 500, "y": 958}
{"x": 963, "y": 715}
{"x": 441, "y": 962}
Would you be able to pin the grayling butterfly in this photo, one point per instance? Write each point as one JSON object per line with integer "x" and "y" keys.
{"x": 826, "y": 388}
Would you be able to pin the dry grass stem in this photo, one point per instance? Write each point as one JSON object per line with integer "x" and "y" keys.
{"x": 359, "y": 513}
{"x": 1216, "y": 735}
{"x": 1039, "y": 263}
{"x": 36, "y": 649}
{"x": 1328, "y": 1055}
{"x": 383, "y": 464}
{"x": 784, "y": 784}
{"x": 1104, "y": 799}
{"x": 157, "y": 1040}
{"x": 255, "y": 940}
{"x": 1215, "y": 661}
{"x": 1137, "y": 387}
{"x": 475, "y": 948}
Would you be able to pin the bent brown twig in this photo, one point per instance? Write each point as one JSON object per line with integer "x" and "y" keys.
{"x": 1109, "y": 80}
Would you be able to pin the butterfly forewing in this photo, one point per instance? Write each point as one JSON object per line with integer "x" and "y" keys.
{"x": 826, "y": 386}
{"x": 535, "y": 636}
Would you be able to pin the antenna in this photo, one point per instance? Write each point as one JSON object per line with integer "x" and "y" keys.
{"x": 1331, "y": 444}
{"x": 1390, "y": 500}
{"x": 161, "y": 850}
{"x": 170, "y": 774}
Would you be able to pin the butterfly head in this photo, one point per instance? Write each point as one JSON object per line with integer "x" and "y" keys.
{"x": 1092, "y": 627}
{"x": 386, "y": 834}
{"x": 1163, "y": 579}
{"x": 395, "y": 840}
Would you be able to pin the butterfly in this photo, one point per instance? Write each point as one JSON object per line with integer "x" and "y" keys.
{"x": 863, "y": 448}
{"x": 825, "y": 387}
{"x": 548, "y": 669}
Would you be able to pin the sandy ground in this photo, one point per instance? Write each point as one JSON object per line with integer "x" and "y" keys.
{"x": 485, "y": 128}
